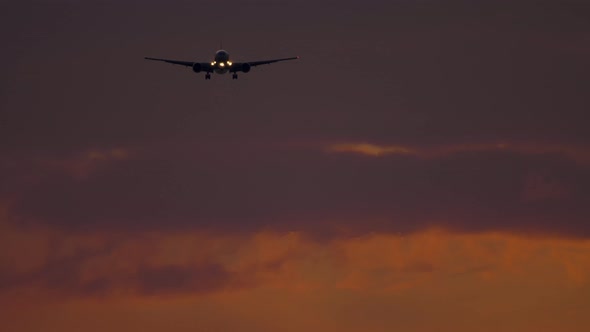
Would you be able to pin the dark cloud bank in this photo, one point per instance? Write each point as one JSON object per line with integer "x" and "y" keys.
{"x": 242, "y": 187}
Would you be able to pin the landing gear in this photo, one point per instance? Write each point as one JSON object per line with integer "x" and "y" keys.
{"x": 234, "y": 76}
{"x": 208, "y": 76}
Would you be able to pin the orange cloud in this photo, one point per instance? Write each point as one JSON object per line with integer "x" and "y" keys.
{"x": 269, "y": 280}
{"x": 292, "y": 260}
{"x": 579, "y": 154}
{"x": 371, "y": 149}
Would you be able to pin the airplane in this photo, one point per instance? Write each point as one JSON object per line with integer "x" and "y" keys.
{"x": 221, "y": 64}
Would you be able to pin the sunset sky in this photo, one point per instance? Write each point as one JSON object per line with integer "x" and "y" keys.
{"x": 425, "y": 166}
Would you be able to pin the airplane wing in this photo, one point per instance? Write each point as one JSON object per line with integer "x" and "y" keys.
{"x": 245, "y": 66}
{"x": 266, "y": 62}
{"x": 205, "y": 66}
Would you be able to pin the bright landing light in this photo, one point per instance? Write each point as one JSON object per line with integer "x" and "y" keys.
{"x": 221, "y": 64}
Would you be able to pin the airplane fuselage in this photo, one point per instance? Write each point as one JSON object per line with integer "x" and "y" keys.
{"x": 221, "y": 62}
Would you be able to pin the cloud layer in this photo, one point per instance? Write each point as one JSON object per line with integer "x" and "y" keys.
{"x": 251, "y": 186}
{"x": 292, "y": 281}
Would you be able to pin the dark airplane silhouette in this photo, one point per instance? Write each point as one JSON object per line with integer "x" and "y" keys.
{"x": 221, "y": 64}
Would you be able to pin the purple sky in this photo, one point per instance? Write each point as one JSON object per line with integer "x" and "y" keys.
{"x": 245, "y": 154}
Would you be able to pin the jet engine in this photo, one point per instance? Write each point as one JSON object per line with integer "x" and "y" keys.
{"x": 197, "y": 67}
{"x": 246, "y": 67}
